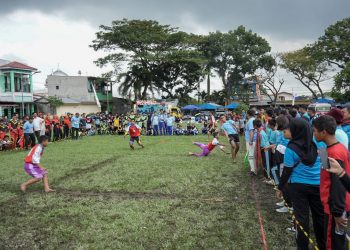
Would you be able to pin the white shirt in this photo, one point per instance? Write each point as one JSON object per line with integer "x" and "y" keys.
{"x": 37, "y": 154}
{"x": 37, "y": 123}
{"x": 215, "y": 142}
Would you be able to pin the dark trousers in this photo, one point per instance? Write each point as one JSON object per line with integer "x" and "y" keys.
{"x": 305, "y": 198}
{"x": 162, "y": 129}
{"x": 65, "y": 131}
{"x": 37, "y": 135}
{"x": 155, "y": 130}
{"x": 29, "y": 139}
{"x": 56, "y": 133}
{"x": 334, "y": 241}
{"x": 48, "y": 132}
{"x": 75, "y": 133}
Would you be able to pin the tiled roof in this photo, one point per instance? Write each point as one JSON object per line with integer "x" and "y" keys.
{"x": 17, "y": 65}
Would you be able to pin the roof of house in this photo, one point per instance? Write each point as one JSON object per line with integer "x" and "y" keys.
{"x": 59, "y": 72}
{"x": 16, "y": 65}
{"x": 285, "y": 93}
{"x": 67, "y": 100}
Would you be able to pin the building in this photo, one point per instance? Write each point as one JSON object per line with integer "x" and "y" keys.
{"x": 82, "y": 94}
{"x": 16, "y": 88}
{"x": 284, "y": 96}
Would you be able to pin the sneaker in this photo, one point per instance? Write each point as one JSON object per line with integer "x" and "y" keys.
{"x": 291, "y": 229}
{"x": 280, "y": 204}
{"x": 282, "y": 210}
{"x": 270, "y": 182}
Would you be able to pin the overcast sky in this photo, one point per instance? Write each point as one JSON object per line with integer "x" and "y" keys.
{"x": 45, "y": 34}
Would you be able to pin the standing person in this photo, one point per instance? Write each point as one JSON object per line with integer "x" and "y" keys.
{"x": 340, "y": 135}
{"x": 135, "y": 133}
{"x": 312, "y": 114}
{"x": 13, "y": 127}
{"x": 303, "y": 113}
{"x": 37, "y": 121}
{"x": 212, "y": 123}
{"x": 83, "y": 123}
{"x": 33, "y": 167}
{"x": 43, "y": 128}
{"x": 155, "y": 123}
{"x": 346, "y": 122}
{"x": 335, "y": 199}
{"x": 75, "y": 121}
{"x": 170, "y": 124}
{"x": 29, "y": 137}
{"x": 231, "y": 132}
{"x": 263, "y": 146}
{"x": 301, "y": 171}
{"x": 48, "y": 126}
{"x": 56, "y": 127}
{"x": 241, "y": 124}
{"x": 162, "y": 128}
{"x": 250, "y": 138}
{"x": 66, "y": 126}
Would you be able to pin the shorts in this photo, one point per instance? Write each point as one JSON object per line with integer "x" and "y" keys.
{"x": 34, "y": 170}
{"x": 135, "y": 138}
{"x": 234, "y": 138}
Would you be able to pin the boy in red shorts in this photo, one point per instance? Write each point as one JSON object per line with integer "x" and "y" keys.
{"x": 134, "y": 132}
{"x": 33, "y": 167}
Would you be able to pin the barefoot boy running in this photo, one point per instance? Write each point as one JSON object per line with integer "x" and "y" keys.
{"x": 134, "y": 132}
{"x": 33, "y": 167}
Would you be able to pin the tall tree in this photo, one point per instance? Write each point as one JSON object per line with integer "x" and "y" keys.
{"x": 306, "y": 69}
{"x": 271, "y": 81}
{"x": 235, "y": 55}
{"x": 157, "y": 56}
{"x": 334, "y": 48}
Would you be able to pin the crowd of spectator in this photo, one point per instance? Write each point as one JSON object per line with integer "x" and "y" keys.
{"x": 305, "y": 156}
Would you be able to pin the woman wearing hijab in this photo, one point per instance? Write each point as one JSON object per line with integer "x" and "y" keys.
{"x": 301, "y": 172}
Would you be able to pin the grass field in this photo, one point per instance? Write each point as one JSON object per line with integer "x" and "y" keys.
{"x": 108, "y": 197}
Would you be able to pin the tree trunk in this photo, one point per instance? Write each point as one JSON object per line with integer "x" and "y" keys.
{"x": 208, "y": 84}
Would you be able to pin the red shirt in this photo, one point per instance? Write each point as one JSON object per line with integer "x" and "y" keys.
{"x": 334, "y": 197}
{"x": 134, "y": 131}
{"x": 212, "y": 144}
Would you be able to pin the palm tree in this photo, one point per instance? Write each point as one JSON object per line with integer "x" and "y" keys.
{"x": 136, "y": 80}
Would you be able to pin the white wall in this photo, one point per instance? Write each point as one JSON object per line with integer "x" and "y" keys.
{"x": 62, "y": 110}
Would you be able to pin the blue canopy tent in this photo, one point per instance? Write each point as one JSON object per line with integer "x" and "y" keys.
{"x": 323, "y": 100}
{"x": 233, "y": 105}
{"x": 190, "y": 107}
{"x": 209, "y": 106}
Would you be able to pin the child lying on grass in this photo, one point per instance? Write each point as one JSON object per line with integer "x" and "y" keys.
{"x": 33, "y": 167}
{"x": 207, "y": 148}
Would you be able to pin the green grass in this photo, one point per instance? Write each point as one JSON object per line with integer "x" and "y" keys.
{"x": 109, "y": 197}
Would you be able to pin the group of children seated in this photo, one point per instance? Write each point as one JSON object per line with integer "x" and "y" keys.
{"x": 6, "y": 143}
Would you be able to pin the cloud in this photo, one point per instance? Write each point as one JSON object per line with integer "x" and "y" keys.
{"x": 47, "y": 33}
{"x": 296, "y": 19}
{"x": 47, "y": 41}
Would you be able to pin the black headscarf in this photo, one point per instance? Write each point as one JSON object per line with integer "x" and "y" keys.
{"x": 302, "y": 141}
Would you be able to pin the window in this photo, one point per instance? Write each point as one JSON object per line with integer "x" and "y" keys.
{"x": 57, "y": 87}
{"x": 89, "y": 86}
{"x": 22, "y": 83}
{"x": 7, "y": 83}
